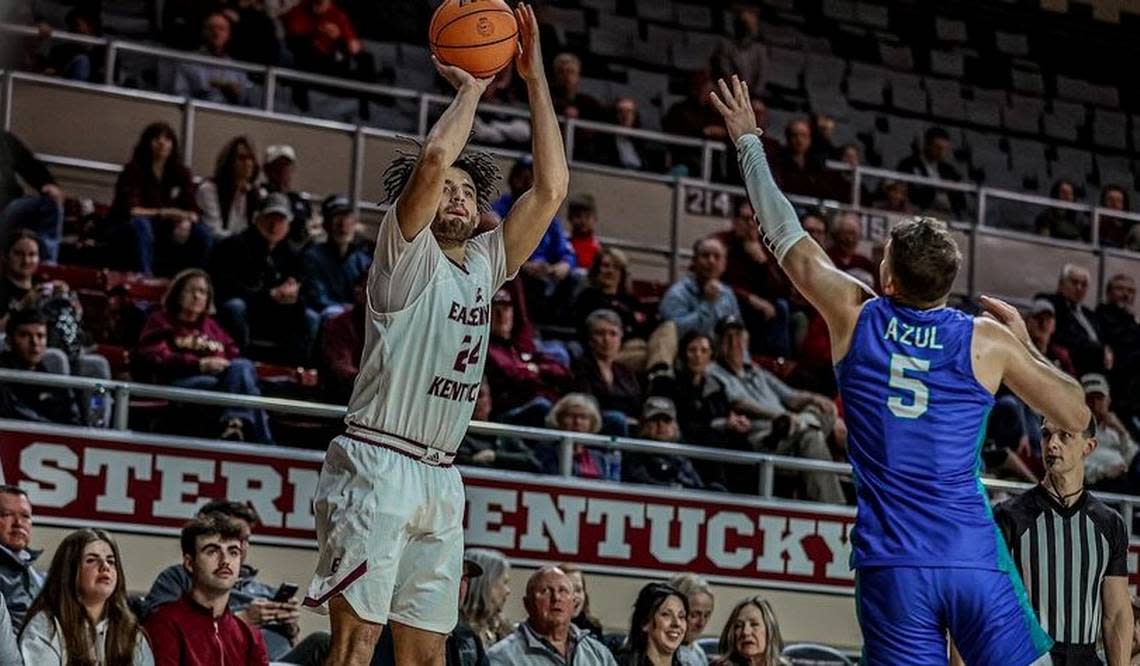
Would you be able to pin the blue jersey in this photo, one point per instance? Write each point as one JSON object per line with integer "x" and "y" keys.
{"x": 916, "y": 416}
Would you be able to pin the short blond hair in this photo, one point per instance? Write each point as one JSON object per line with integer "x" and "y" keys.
{"x": 580, "y": 401}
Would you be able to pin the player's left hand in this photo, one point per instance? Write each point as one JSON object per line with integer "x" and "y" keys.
{"x": 736, "y": 107}
{"x": 528, "y": 61}
{"x": 1008, "y": 315}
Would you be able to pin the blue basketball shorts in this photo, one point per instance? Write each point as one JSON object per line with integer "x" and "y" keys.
{"x": 906, "y": 613}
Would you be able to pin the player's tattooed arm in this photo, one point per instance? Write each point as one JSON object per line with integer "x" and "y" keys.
{"x": 419, "y": 201}
{"x": 530, "y": 216}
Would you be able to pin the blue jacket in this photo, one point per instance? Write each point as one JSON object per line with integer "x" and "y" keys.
{"x": 329, "y": 277}
{"x": 555, "y": 245}
{"x": 684, "y": 305}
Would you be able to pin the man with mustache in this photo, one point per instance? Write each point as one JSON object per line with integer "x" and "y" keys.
{"x": 199, "y": 629}
{"x": 20, "y": 582}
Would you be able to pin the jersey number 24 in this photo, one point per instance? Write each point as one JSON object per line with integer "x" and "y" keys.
{"x": 914, "y": 405}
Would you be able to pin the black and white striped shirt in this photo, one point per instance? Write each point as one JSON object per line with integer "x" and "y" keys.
{"x": 1063, "y": 554}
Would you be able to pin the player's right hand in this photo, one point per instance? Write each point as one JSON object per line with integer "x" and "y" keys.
{"x": 736, "y": 107}
{"x": 460, "y": 78}
{"x": 1008, "y": 315}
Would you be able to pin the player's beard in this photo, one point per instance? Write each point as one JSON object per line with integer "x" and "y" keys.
{"x": 450, "y": 231}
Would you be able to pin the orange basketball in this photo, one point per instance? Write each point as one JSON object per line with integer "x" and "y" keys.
{"x": 479, "y": 36}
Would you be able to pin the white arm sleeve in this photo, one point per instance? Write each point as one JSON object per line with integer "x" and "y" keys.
{"x": 779, "y": 224}
{"x": 401, "y": 269}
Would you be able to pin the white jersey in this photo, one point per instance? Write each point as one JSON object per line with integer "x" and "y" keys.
{"x": 425, "y": 338}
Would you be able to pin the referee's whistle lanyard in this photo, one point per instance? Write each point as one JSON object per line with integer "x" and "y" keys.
{"x": 1064, "y": 499}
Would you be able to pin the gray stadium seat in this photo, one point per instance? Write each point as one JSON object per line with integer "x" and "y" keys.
{"x": 949, "y": 63}
{"x": 896, "y": 56}
{"x": 1011, "y": 43}
{"x": 657, "y": 10}
{"x": 810, "y": 654}
{"x": 1023, "y": 114}
{"x": 839, "y": 10}
{"x": 983, "y": 112}
{"x": 1027, "y": 81}
{"x": 1072, "y": 162}
{"x": 785, "y": 67}
{"x": 694, "y": 17}
{"x": 872, "y": 14}
{"x": 865, "y": 83}
{"x": 950, "y": 30}
{"x": 613, "y": 44}
{"x": 907, "y": 93}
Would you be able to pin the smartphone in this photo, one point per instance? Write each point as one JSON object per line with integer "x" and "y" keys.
{"x": 286, "y": 592}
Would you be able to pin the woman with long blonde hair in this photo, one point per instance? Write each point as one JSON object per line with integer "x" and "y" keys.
{"x": 81, "y": 616}
{"x": 751, "y": 637}
{"x": 482, "y": 609}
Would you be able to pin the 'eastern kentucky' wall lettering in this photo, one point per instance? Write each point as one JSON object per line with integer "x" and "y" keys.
{"x": 138, "y": 482}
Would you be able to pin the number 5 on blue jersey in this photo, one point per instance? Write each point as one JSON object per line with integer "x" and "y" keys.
{"x": 900, "y": 363}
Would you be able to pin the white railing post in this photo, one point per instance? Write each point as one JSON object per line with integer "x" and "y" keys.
{"x": 188, "y": 131}
{"x": 981, "y": 219}
{"x": 109, "y": 63}
{"x": 569, "y": 139}
{"x": 675, "y": 228}
{"x": 767, "y": 478}
{"x": 6, "y": 111}
{"x": 706, "y": 162}
{"x": 270, "y": 101}
{"x": 1128, "y": 512}
{"x": 121, "y": 415}
{"x": 857, "y": 185}
{"x": 1094, "y": 233}
{"x": 422, "y": 123}
{"x": 357, "y": 167}
{"x": 566, "y": 456}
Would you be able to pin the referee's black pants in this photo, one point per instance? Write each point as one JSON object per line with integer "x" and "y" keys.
{"x": 1070, "y": 654}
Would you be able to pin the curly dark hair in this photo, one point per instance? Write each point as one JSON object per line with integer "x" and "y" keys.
{"x": 481, "y": 166}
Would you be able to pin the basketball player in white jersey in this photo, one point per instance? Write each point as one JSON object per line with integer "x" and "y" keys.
{"x": 389, "y": 505}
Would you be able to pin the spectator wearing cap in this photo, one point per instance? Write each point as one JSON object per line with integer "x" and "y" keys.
{"x": 548, "y": 273}
{"x": 1041, "y": 323}
{"x": 931, "y": 163}
{"x": 20, "y": 582}
{"x": 699, "y": 300}
{"x": 525, "y": 381}
{"x": 342, "y": 344}
{"x": 228, "y": 199}
{"x": 209, "y": 82}
{"x": 258, "y": 278}
{"x": 1113, "y": 466}
{"x": 598, "y": 373}
{"x": 547, "y": 636}
{"x": 280, "y": 165}
{"x": 659, "y": 423}
{"x": 582, "y": 213}
{"x": 26, "y": 347}
{"x": 783, "y": 420}
{"x": 496, "y": 451}
{"x": 1078, "y": 328}
{"x": 42, "y": 211}
{"x": 332, "y": 268}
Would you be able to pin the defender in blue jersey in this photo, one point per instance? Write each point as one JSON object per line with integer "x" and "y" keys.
{"x": 917, "y": 381}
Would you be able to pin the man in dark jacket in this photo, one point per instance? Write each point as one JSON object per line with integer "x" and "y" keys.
{"x": 27, "y": 343}
{"x": 1117, "y": 320}
{"x": 280, "y": 164}
{"x": 20, "y": 583}
{"x": 42, "y": 211}
{"x": 931, "y": 163}
{"x": 1078, "y": 328}
{"x": 659, "y": 422}
{"x": 332, "y": 268}
{"x": 258, "y": 278}
{"x": 497, "y": 451}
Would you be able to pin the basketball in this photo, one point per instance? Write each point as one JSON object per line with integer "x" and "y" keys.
{"x": 479, "y": 36}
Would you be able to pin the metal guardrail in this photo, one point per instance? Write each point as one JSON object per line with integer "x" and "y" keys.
{"x": 767, "y": 463}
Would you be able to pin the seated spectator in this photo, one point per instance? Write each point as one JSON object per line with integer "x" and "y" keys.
{"x": 1114, "y": 231}
{"x": 1006, "y": 449}
{"x": 280, "y": 164}
{"x": 931, "y": 163}
{"x": 153, "y": 225}
{"x": 20, "y": 582}
{"x": 21, "y": 260}
{"x": 1117, "y": 320}
{"x": 701, "y": 601}
{"x": 780, "y": 419}
{"x": 482, "y": 610}
{"x": 9, "y": 648}
{"x": 1078, "y": 329}
{"x": 26, "y": 344}
{"x": 599, "y": 374}
{"x": 894, "y": 197}
{"x": 628, "y": 152}
{"x": 258, "y": 278}
{"x": 698, "y": 301}
{"x": 568, "y": 100}
{"x": 548, "y": 273}
{"x": 182, "y": 345}
{"x": 81, "y": 616}
{"x": 846, "y": 232}
{"x": 851, "y": 155}
{"x": 227, "y": 200}
{"x": 1063, "y": 223}
{"x": 576, "y": 412}
{"x": 582, "y": 618}
{"x": 547, "y": 636}
{"x": 801, "y": 171}
{"x": 75, "y": 61}
{"x": 815, "y": 225}
{"x": 751, "y": 636}
{"x": 823, "y": 146}
{"x": 656, "y": 628}
{"x": 255, "y": 36}
{"x": 742, "y": 54}
{"x": 1041, "y": 323}
{"x": 199, "y": 629}
{"x": 250, "y": 600}
{"x": 501, "y": 129}
{"x": 659, "y": 423}
{"x": 497, "y": 451}
{"x": 582, "y": 213}
{"x": 757, "y": 282}
{"x": 41, "y": 212}
{"x": 607, "y": 288}
{"x": 322, "y": 39}
{"x": 1113, "y": 466}
{"x": 332, "y": 268}
{"x": 213, "y": 83}
{"x": 526, "y": 382}
{"x": 342, "y": 344}
{"x": 694, "y": 115}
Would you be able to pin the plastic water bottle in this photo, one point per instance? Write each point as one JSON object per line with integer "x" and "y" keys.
{"x": 612, "y": 471}
{"x": 97, "y": 408}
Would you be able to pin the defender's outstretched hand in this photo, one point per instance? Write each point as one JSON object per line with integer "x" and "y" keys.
{"x": 459, "y": 78}
{"x": 736, "y": 107}
{"x": 529, "y": 58}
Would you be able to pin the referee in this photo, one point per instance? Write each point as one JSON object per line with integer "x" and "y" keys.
{"x": 1071, "y": 550}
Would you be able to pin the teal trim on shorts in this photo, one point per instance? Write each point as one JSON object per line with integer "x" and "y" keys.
{"x": 859, "y": 617}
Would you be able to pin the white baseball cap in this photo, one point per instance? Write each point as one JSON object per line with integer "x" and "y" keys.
{"x": 277, "y": 151}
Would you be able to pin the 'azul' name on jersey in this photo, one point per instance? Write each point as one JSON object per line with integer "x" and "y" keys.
{"x": 920, "y": 337}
